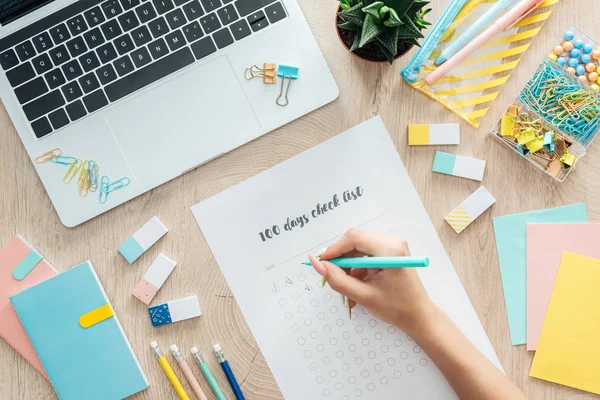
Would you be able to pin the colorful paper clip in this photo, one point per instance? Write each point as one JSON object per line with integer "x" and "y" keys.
{"x": 49, "y": 156}
{"x": 286, "y": 73}
{"x": 267, "y": 73}
{"x": 103, "y": 196}
{"x": 74, "y": 169}
{"x": 83, "y": 181}
{"x": 93, "y": 170}
{"x": 107, "y": 187}
{"x": 63, "y": 160}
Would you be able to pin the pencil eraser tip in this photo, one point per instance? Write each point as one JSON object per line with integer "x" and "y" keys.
{"x": 173, "y": 347}
{"x": 217, "y": 347}
{"x": 194, "y": 350}
{"x": 154, "y": 344}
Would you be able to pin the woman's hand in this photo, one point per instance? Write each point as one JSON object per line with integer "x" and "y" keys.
{"x": 396, "y": 296}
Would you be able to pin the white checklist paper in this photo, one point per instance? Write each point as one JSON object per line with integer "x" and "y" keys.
{"x": 260, "y": 232}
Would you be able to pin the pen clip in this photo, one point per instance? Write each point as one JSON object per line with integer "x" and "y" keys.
{"x": 526, "y": 13}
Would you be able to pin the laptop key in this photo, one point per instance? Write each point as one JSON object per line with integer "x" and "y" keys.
{"x": 240, "y": 29}
{"x": 95, "y": 101}
{"x": 193, "y": 31}
{"x": 71, "y": 91}
{"x": 77, "y": 25}
{"x": 58, "y": 118}
{"x": 180, "y": 2}
{"x": 42, "y": 63}
{"x": 21, "y": 74}
{"x": 25, "y": 51}
{"x": 158, "y": 27}
{"x": 203, "y": 48}
{"x": 59, "y": 55}
{"x": 124, "y": 44}
{"x": 111, "y": 29}
{"x": 128, "y": 21}
{"x": 106, "y": 74}
{"x": 93, "y": 38}
{"x": 43, "y": 105}
{"x": 193, "y": 10}
{"x": 8, "y": 59}
{"x": 223, "y": 38}
{"x": 31, "y": 90}
{"x": 210, "y": 23}
{"x": 163, "y": 6}
{"x": 94, "y": 16}
{"x": 141, "y": 36}
{"x": 141, "y": 57}
{"x": 158, "y": 48}
{"x": 149, "y": 74}
{"x": 227, "y": 14}
{"x": 123, "y": 65}
{"x": 111, "y": 8}
{"x": 89, "y": 82}
{"x": 227, "y": 1}
{"x": 76, "y": 110}
{"x": 246, "y": 7}
{"x": 258, "y": 21}
{"x": 175, "y": 18}
{"x": 76, "y": 46}
{"x": 106, "y": 53}
{"x": 72, "y": 70}
{"x": 129, "y": 4}
{"x": 275, "y": 12}
{"x": 41, "y": 127}
{"x": 60, "y": 34}
{"x": 42, "y": 42}
{"x": 89, "y": 61}
{"x": 175, "y": 40}
{"x": 211, "y": 5}
{"x": 145, "y": 12}
{"x": 55, "y": 78}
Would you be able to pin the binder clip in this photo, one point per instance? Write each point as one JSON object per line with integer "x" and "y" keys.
{"x": 267, "y": 73}
{"x": 286, "y": 73}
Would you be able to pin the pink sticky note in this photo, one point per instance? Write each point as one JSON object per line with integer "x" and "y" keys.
{"x": 11, "y": 256}
{"x": 546, "y": 244}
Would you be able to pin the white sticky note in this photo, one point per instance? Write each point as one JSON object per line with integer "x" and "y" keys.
{"x": 470, "y": 209}
{"x": 463, "y": 167}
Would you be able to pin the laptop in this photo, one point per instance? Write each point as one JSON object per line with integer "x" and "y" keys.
{"x": 149, "y": 89}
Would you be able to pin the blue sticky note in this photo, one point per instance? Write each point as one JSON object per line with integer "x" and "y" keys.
{"x": 443, "y": 163}
{"x": 511, "y": 232}
{"x": 94, "y": 363}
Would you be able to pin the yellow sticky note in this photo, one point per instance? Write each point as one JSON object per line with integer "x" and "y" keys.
{"x": 568, "y": 352}
{"x": 526, "y": 136}
{"x": 507, "y": 125}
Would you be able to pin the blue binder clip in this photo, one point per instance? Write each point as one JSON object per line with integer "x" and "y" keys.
{"x": 287, "y": 73}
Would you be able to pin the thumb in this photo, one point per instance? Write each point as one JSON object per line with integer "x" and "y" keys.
{"x": 346, "y": 284}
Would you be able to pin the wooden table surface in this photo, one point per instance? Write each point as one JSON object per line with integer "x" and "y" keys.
{"x": 366, "y": 89}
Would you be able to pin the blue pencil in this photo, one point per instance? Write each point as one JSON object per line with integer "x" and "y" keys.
{"x": 379, "y": 262}
{"x": 228, "y": 373}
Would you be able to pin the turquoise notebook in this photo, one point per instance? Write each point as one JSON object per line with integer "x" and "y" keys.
{"x": 78, "y": 338}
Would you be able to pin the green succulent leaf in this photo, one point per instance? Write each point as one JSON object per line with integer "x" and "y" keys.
{"x": 373, "y": 9}
{"x": 392, "y": 19}
{"x": 390, "y": 56}
{"x": 353, "y": 14}
{"x": 389, "y": 40}
{"x": 400, "y": 6}
{"x": 371, "y": 29}
{"x": 416, "y": 7}
{"x": 349, "y": 25}
{"x": 356, "y": 43}
{"x": 409, "y": 29}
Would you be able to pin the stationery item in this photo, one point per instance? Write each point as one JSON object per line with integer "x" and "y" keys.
{"x": 162, "y": 360}
{"x": 143, "y": 239}
{"x": 379, "y": 262}
{"x": 469, "y": 89}
{"x": 431, "y": 134}
{"x": 267, "y": 73}
{"x": 210, "y": 379}
{"x": 568, "y": 351}
{"x": 278, "y": 217}
{"x": 21, "y": 267}
{"x": 175, "y": 311}
{"x": 107, "y": 187}
{"x": 546, "y": 244}
{"x": 78, "y": 339}
{"x": 470, "y": 209}
{"x": 49, "y": 156}
{"x": 579, "y": 55}
{"x": 463, "y": 167}
{"x": 285, "y": 72}
{"x": 188, "y": 373}
{"x": 153, "y": 279}
{"x": 508, "y": 20}
{"x": 473, "y": 30}
{"x": 510, "y": 232}
{"x": 235, "y": 387}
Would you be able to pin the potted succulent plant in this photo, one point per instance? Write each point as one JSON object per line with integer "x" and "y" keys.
{"x": 380, "y": 30}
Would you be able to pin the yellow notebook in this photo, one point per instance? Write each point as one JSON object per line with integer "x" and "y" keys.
{"x": 568, "y": 351}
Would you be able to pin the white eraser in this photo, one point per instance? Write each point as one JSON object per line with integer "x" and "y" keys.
{"x": 433, "y": 134}
{"x": 153, "y": 279}
{"x": 194, "y": 350}
{"x": 154, "y": 344}
{"x": 173, "y": 347}
{"x": 464, "y": 167}
{"x": 217, "y": 347}
{"x": 470, "y": 209}
{"x": 142, "y": 240}
{"x": 175, "y": 311}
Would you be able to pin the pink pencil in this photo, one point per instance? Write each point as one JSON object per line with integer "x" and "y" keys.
{"x": 188, "y": 373}
{"x": 507, "y": 21}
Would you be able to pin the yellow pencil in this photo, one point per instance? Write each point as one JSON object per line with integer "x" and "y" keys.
{"x": 162, "y": 360}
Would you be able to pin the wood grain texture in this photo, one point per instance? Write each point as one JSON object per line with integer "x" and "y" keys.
{"x": 366, "y": 89}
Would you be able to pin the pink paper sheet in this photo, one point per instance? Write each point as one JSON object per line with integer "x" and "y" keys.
{"x": 546, "y": 244}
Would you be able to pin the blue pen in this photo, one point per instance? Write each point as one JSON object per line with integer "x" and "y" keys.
{"x": 379, "y": 262}
{"x": 472, "y": 31}
{"x": 228, "y": 373}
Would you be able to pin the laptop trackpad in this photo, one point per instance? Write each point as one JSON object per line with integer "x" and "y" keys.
{"x": 184, "y": 122}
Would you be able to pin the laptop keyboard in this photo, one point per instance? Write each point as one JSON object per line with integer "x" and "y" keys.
{"x": 95, "y": 52}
